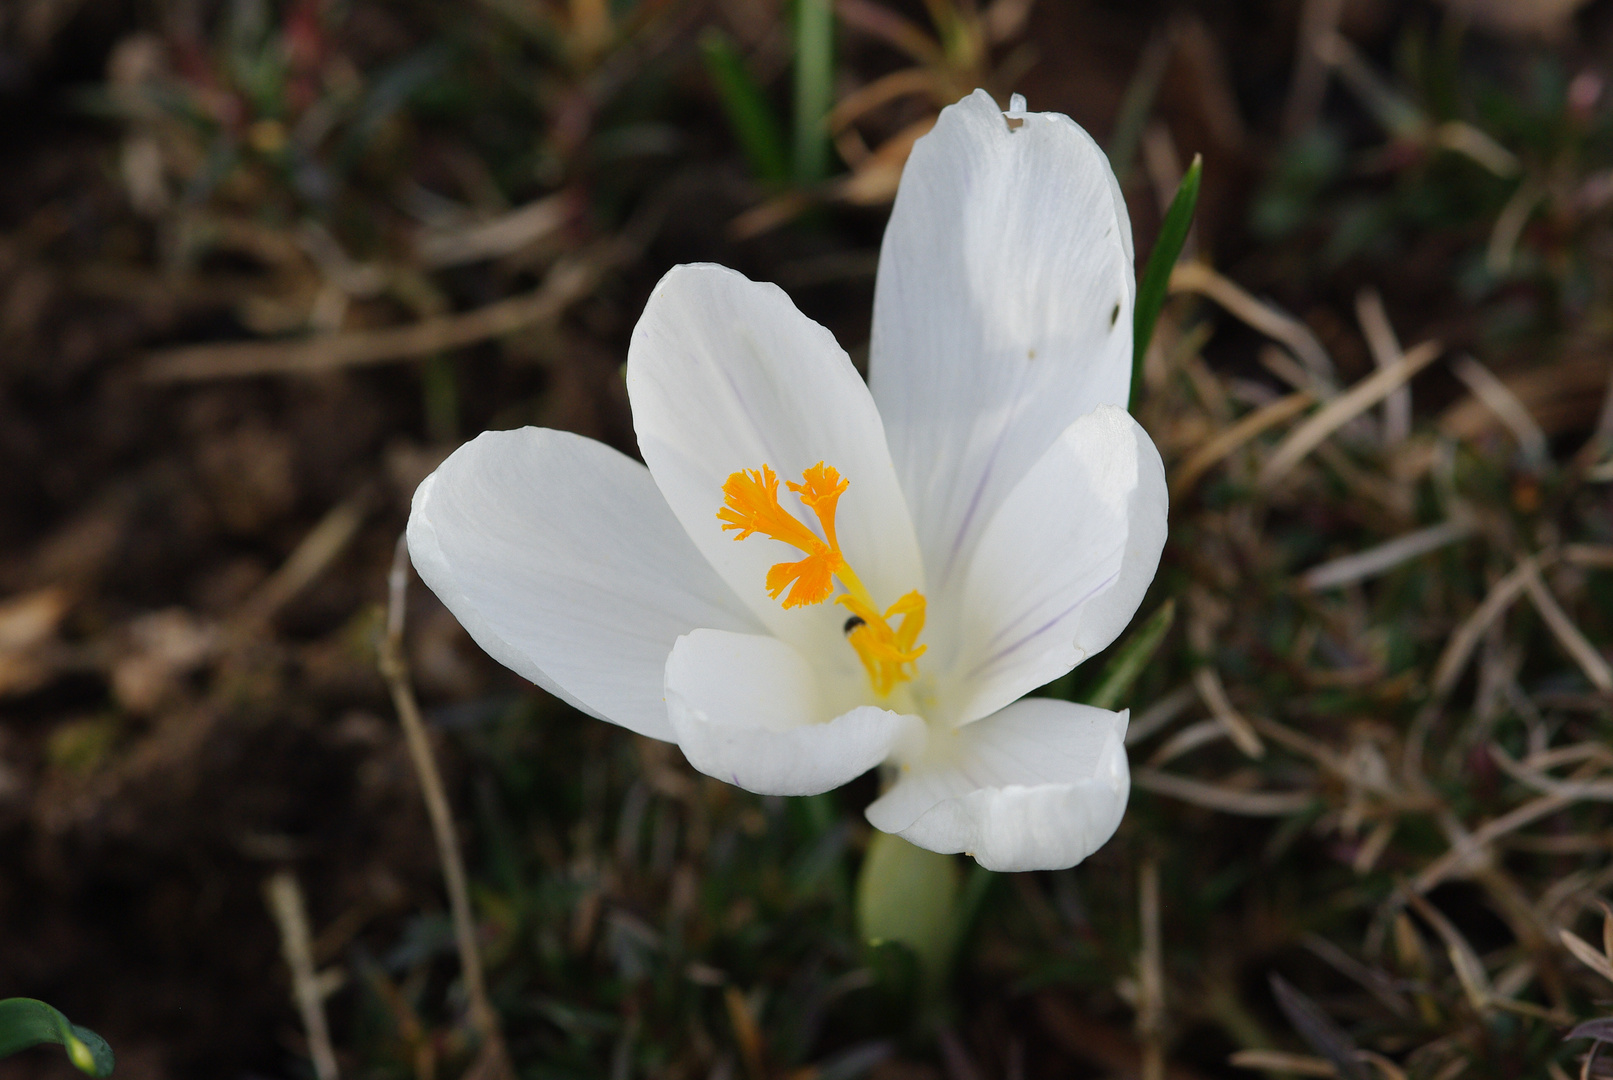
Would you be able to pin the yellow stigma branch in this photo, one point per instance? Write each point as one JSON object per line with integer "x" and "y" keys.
{"x": 750, "y": 505}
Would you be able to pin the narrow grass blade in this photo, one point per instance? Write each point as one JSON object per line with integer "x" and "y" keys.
{"x": 757, "y": 129}
{"x": 814, "y": 87}
{"x": 1601, "y": 1030}
{"x": 1157, "y": 275}
{"x": 1318, "y": 1029}
{"x": 1137, "y": 104}
{"x": 1133, "y": 655}
{"x": 25, "y": 1022}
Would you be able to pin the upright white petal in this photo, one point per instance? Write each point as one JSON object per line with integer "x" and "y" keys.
{"x": 750, "y": 709}
{"x": 560, "y": 558}
{"x": 725, "y": 374}
{"x": 1002, "y": 312}
{"x": 1038, "y": 786}
{"x": 1062, "y": 566}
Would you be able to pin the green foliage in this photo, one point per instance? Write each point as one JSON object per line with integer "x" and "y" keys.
{"x": 1132, "y": 657}
{"x": 814, "y": 87}
{"x": 1304, "y": 169}
{"x": 752, "y": 119}
{"x": 1156, "y": 279}
{"x": 1125, "y": 664}
{"x": 746, "y": 107}
{"x": 26, "y": 1022}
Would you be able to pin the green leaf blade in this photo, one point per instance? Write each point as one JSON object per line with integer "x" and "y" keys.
{"x": 1156, "y": 280}
{"x": 26, "y": 1022}
{"x": 814, "y": 88}
{"x": 1132, "y": 657}
{"x": 755, "y": 126}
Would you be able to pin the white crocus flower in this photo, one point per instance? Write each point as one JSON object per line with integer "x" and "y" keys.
{"x": 816, "y": 575}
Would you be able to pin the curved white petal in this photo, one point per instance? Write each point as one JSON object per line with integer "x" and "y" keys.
{"x": 725, "y": 374}
{"x": 748, "y": 708}
{"x": 1038, "y": 786}
{"x": 1061, "y": 568}
{"x": 560, "y": 558}
{"x": 1002, "y": 312}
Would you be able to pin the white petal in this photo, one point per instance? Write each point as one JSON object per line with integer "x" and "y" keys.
{"x": 560, "y": 558}
{"x": 1038, "y": 786}
{"x": 748, "y": 708}
{"x": 725, "y": 374}
{"x": 1060, "y": 570}
{"x": 1002, "y": 312}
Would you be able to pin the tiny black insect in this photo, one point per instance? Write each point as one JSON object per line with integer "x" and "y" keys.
{"x": 854, "y": 622}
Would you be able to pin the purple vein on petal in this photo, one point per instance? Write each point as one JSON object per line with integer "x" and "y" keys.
{"x": 1009, "y": 627}
{"x": 985, "y": 476}
{"x": 1044, "y": 628}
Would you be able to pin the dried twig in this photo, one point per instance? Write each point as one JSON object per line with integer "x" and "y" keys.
{"x": 1160, "y": 714}
{"x": 1377, "y": 983}
{"x": 1151, "y": 975}
{"x": 1384, "y": 557}
{"x": 494, "y": 1062}
{"x": 1189, "y": 738}
{"x": 1471, "y": 850}
{"x": 1464, "y": 138}
{"x": 567, "y": 282}
{"x": 1323, "y": 755}
{"x": 1593, "y": 556}
{"x": 1318, "y": 1029}
{"x": 1462, "y": 643}
{"x": 746, "y": 1033}
{"x": 324, "y": 542}
{"x": 1229, "y": 439}
{"x": 1384, "y": 345}
{"x": 1214, "y": 695}
{"x": 1498, "y": 397}
{"x": 1587, "y": 954}
{"x": 882, "y": 91}
{"x": 1281, "y": 1061}
{"x": 1281, "y": 363}
{"x": 1558, "y": 396}
{"x": 1198, "y": 278}
{"x": 1318, "y": 19}
{"x": 1568, "y": 635}
{"x": 1226, "y": 799}
{"x": 1207, "y": 681}
{"x": 1469, "y": 968}
{"x": 284, "y": 898}
{"x": 1344, "y": 408}
{"x": 1565, "y": 790}
{"x": 507, "y": 233}
{"x": 1509, "y": 225}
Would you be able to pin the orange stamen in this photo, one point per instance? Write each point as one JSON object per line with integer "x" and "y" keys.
{"x": 751, "y": 505}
